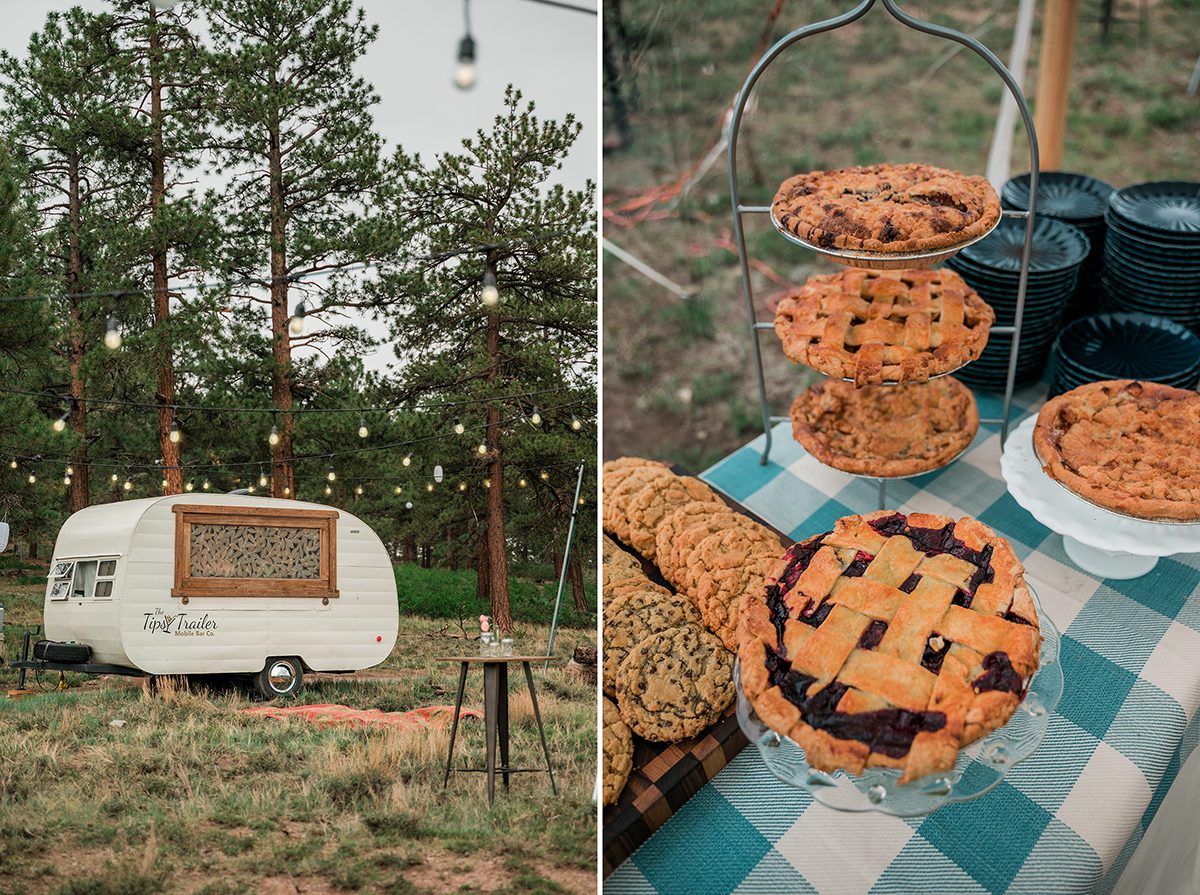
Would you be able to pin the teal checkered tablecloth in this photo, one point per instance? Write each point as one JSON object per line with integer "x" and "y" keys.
{"x": 1065, "y": 820}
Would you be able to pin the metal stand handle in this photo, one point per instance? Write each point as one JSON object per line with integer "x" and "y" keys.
{"x": 739, "y": 106}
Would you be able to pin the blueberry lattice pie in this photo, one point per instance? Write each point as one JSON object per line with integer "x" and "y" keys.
{"x": 891, "y": 641}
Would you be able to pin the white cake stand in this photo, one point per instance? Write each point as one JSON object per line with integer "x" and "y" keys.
{"x": 1099, "y": 541}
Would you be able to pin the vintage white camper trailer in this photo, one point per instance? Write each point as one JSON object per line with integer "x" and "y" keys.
{"x": 220, "y": 584}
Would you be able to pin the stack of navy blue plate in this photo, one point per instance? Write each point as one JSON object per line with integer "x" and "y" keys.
{"x": 1125, "y": 346}
{"x": 1080, "y": 201}
{"x": 1152, "y": 253}
{"x": 992, "y": 267}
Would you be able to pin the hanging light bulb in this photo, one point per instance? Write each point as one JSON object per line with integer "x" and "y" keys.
{"x": 462, "y": 486}
{"x": 165, "y": 484}
{"x": 12, "y": 464}
{"x": 362, "y": 428}
{"x": 582, "y": 501}
{"x": 296, "y": 323}
{"x": 536, "y": 416}
{"x": 358, "y": 490}
{"x": 128, "y": 486}
{"x": 207, "y": 484}
{"x": 328, "y": 490}
{"x": 70, "y": 470}
{"x": 437, "y": 473}
{"x": 459, "y": 428}
{"x": 487, "y": 483}
{"x": 331, "y": 475}
{"x": 112, "y": 334}
{"x": 189, "y": 486}
{"x": 249, "y": 489}
{"x": 407, "y": 461}
{"x": 286, "y": 490}
{"x": 482, "y": 448}
{"x": 397, "y": 489}
{"x": 175, "y": 435}
{"x": 464, "y": 74}
{"x": 32, "y": 478}
{"x": 61, "y": 422}
{"x": 114, "y": 478}
{"x": 263, "y": 481}
{"x": 273, "y": 438}
{"x": 408, "y": 505}
{"x": 66, "y": 480}
{"x": 544, "y": 476}
{"x": 575, "y": 424}
{"x": 429, "y": 486}
{"x": 490, "y": 293}
{"x": 522, "y": 482}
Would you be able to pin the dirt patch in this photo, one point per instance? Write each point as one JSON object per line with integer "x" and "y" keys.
{"x": 286, "y": 885}
{"x": 446, "y": 872}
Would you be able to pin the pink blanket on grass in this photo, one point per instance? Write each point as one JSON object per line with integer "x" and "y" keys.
{"x": 431, "y": 716}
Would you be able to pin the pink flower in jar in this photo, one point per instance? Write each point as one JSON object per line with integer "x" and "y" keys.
{"x": 484, "y": 625}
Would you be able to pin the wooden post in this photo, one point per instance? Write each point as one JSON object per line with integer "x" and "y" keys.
{"x": 1054, "y": 79}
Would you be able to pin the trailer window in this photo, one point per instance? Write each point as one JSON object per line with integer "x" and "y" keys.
{"x": 254, "y": 552}
{"x": 85, "y": 579}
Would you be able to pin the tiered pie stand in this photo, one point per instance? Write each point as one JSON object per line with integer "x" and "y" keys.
{"x": 1102, "y": 542}
{"x": 873, "y": 259}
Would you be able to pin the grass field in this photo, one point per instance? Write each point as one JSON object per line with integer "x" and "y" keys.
{"x": 677, "y": 378}
{"x": 192, "y": 796}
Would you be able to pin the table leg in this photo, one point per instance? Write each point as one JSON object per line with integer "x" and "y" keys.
{"x": 491, "y": 702}
{"x": 502, "y": 722}
{"x": 541, "y": 731}
{"x": 462, "y": 683}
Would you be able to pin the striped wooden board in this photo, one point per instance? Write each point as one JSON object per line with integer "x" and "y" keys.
{"x": 665, "y": 775}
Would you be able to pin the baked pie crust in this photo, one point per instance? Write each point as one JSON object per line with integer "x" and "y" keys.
{"x": 1129, "y": 446}
{"x": 883, "y": 430}
{"x": 874, "y": 326}
{"x": 886, "y": 208}
{"x": 892, "y": 641}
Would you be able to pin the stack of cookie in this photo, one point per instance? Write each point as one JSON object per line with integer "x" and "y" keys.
{"x": 668, "y": 654}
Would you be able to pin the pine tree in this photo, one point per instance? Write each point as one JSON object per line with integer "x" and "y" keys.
{"x": 530, "y": 359}
{"x": 297, "y": 142}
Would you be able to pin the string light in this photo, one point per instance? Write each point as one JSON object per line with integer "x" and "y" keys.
{"x": 575, "y": 424}
{"x": 544, "y": 476}
{"x": 358, "y": 490}
{"x": 521, "y": 482}
{"x": 582, "y": 501}
{"x": 249, "y": 489}
{"x": 286, "y": 490}
{"x": 437, "y": 473}
{"x": 398, "y": 489}
{"x": 464, "y": 75}
{"x": 407, "y": 461}
{"x": 429, "y": 486}
{"x": 296, "y": 323}
{"x": 262, "y": 478}
{"x": 114, "y": 478}
{"x": 362, "y": 428}
{"x": 189, "y": 486}
{"x": 32, "y": 478}
{"x": 482, "y": 448}
{"x": 490, "y": 293}
{"x": 459, "y": 428}
{"x": 66, "y": 480}
{"x": 175, "y": 436}
{"x": 273, "y": 438}
{"x": 61, "y": 422}
{"x": 207, "y": 484}
{"x": 128, "y": 486}
{"x": 462, "y": 486}
{"x": 536, "y": 417}
{"x": 12, "y": 464}
{"x": 408, "y": 505}
{"x": 487, "y": 483}
{"x": 328, "y": 490}
{"x": 112, "y": 334}
{"x": 331, "y": 475}
{"x": 71, "y": 469}
{"x": 165, "y": 484}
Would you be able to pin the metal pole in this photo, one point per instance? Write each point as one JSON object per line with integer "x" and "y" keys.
{"x": 566, "y": 565}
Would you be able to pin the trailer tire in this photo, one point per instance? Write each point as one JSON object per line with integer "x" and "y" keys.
{"x": 68, "y": 653}
{"x": 282, "y": 676}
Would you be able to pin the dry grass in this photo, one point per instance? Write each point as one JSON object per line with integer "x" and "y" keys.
{"x": 192, "y": 796}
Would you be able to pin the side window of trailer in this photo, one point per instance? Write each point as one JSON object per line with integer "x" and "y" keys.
{"x": 83, "y": 579}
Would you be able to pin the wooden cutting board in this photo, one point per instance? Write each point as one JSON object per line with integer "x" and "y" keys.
{"x": 666, "y": 775}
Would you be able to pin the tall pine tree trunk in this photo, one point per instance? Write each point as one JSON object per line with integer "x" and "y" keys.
{"x": 497, "y": 544}
{"x": 283, "y": 479}
{"x": 481, "y": 568}
{"x": 577, "y": 590}
{"x": 75, "y": 346}
{"x": 165, "y": 392}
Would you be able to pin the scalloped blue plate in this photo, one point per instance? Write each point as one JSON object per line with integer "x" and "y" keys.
{"x": 1066, "y": 195}
{"x": 1164, "y": 206}
{"x": 1129, "y": 346}
{"x": 1056, "y": 246}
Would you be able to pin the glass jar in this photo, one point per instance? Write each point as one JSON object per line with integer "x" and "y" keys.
{"x": 506, "y": 646}
{"x": 487, "y": 643}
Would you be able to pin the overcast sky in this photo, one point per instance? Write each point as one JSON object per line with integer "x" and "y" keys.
{"x": 550, "y": 54}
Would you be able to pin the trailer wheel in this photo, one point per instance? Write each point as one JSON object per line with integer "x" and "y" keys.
{"x": 282, "y": 676}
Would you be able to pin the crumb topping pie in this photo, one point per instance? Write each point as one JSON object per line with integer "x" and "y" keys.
{"x": 891, "y": 641}
{"x": 886, "y": 208}
{"x": 884, "y": 430}
{"x": 1129, "y": 446}
{"x": 874, "y": 326}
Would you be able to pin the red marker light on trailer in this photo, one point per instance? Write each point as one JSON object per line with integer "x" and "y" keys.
{"x": 379, "y": 638}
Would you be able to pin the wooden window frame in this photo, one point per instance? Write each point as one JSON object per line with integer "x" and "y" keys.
{"x": 186, "y": 515}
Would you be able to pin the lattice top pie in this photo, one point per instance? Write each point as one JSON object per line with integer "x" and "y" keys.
{"x": 884, "y": 325}
{"x": 891, "y": 641}
{"x": 1133, "y": 447}
{"x": 887, "y": 208}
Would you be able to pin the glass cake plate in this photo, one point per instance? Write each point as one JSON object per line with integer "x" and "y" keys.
{"x": 979, "y": 768}
{"x": 882, "y": 260}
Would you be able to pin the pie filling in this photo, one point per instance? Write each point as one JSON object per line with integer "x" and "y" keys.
{"x": 890, "y": 731}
